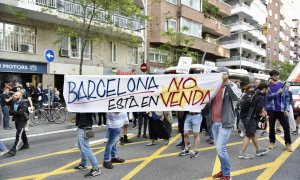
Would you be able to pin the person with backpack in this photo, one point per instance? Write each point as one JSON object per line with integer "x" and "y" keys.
{"x": 277, "y": 105}
{"x": 19, "y": 111}
{"x": 252, "y": 109}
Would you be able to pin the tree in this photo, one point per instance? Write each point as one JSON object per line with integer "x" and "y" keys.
{"x": 91, "y": 15}
{"x": 285, "y": 68}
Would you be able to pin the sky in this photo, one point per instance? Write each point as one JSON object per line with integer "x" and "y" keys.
{"x": 291, "y": 9}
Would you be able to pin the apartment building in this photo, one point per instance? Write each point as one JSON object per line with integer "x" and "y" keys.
{"x": 23, "y": 41}
{"x": 191, "y": 19}
{"x": 246, "y": 43}
{"x": 296, "y": 48}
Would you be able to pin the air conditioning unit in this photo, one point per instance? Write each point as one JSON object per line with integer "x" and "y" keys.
{"x": 27, "y": 48}
{"x": 64, "y": 52}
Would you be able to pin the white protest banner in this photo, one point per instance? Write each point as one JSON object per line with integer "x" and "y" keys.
{"x": 136, "y": 93}
{"x": 184, "y": 65}
{"x": 295, "y": 75}
{"x": 209, "y": 66}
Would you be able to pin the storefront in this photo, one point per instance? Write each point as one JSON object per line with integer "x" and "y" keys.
{"x": 21, "y": 72}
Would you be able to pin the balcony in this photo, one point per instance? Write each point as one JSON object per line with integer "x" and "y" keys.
{"x": 214, "y": 26}
{"x": 247, "y": 27}
{"x": 242, "y": 9}
{"x": 292, "y": 33}
{"x": 17, "y": 42}
{"x": 235, "y": 44}
{"x": 224, "y": 8}
{"x": 244, "y": 62}
{"x": 59, "y": 8}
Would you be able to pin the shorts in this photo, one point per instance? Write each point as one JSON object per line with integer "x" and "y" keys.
{"x": 193, "y": 123}
{"x": 250, "y": 127}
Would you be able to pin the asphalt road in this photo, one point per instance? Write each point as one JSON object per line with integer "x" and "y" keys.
{"x": 54, "y": 156}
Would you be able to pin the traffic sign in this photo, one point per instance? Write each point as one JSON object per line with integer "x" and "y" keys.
{"x": 144, "y": 67}
{"x": 49, "y": 55}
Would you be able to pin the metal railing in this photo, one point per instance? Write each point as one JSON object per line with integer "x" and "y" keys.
{"x": 251, "y": 44}
{"x": 237, "y": 58}
{"x": 76, "y": 9}
{"x": 17, "y": 42}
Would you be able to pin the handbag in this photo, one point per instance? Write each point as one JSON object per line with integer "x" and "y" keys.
{"x": 262, "y": 123}
{"x": 88, "y": 132}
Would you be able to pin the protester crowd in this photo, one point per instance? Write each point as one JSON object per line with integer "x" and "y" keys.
{"x": 255, "y": 106}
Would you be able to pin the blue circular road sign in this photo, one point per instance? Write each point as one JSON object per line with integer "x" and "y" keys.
{"x": 49, "y": 55}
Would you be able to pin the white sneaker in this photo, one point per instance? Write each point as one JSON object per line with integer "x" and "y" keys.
{"x": 75, "y": 129}
{"x": 3, "y": 152}
{"x": 242, "y": 135}
{"x": 105, "y": 140}
{"x": 27, "y": 129}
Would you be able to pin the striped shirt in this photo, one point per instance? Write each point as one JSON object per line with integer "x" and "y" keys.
{"x": 116, "y": 120}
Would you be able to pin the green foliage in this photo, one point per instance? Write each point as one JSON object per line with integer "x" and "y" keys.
{"x": 210, "y": 10}
{"x": 177, "y": 46}
{"x": 284, "y": 68}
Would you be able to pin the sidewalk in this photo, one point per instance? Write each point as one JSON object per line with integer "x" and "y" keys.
{"x": 43, "y": 127}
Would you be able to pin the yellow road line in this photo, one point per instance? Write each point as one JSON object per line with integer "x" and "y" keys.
{"x": 127, "y": 161}
{"x": 269, "y": 172}
{"x": 217, "y": 166}
{"x": 245, "y": 171}
{"x": 149, "y": 159}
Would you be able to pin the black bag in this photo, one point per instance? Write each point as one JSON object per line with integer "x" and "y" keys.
{"x": 247, "y": 104}
{"x": 88, "y": 132}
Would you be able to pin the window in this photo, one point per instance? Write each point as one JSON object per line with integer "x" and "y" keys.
{"x": 158, "y": 56}
{"x": 270, "y": 38}
{"x": 276, "y": 16}
{"x": 17, "y": 38}
{"x": 113, "y": 48}
{"x": 275, "y": 28}
{"x": 270, "y": 12}
{"x": 195, "y": 4}
{"x": 269, "y": 25}
{"x": 133, "y": 55}
{"x": 191, "y": 28}
{"x": 276, "y": 3}
{"x": 275, "y": 52}
{"x": 73, "y": 46}
{"x": 172, "y": 1}
{"x": 170, "y": 24}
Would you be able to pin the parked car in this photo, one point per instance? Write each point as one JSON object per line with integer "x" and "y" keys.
{"x": 295, "y": 89}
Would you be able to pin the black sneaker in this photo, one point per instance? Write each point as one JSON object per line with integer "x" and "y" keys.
{"x": 117, "y": 160}
{"x": 194, "y": 154}
{"x": 145, "y": 136}
{"x": 122, "y": 140}
{"x": 23, "y": 147}
{"x": 93, "y": 173}
{"x": 184, "y": 152}
{"x": 127, "y": 141}
{"x": 80, "y": 167}
{"x": 108, "y": 165}
{"x": 12, "y": 152}
{"x": 181, "y": 144}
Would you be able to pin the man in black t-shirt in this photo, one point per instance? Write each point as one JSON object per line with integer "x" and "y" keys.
{"x": 5, "y": 104}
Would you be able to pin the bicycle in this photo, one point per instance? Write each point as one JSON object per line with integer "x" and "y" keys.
{"x": 55, "y": 113}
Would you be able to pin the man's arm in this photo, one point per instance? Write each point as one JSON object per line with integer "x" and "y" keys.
{"x": 233, "y": 91}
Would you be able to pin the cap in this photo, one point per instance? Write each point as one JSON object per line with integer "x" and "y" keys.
{"x": 221, "y": 69}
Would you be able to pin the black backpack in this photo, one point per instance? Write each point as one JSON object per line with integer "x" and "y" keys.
{"x": 247, "y": 104}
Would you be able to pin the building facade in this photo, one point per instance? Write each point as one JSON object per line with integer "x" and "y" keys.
{"x": 23, "y": 41}
{"x": 296, "y": 48}
{"x": 192, "y": 19}
{"x": 246, "y": 43}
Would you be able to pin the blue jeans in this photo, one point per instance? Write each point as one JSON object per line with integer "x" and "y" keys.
{"x": 111, "y": 145}
{"x": 2, "y": 146}
{"x": 221, "y": 136}
{"x": 5, "y": 110}
{"x": 85, "y": 150}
